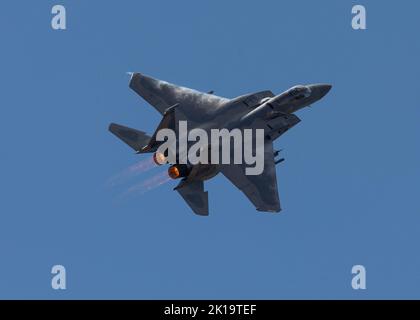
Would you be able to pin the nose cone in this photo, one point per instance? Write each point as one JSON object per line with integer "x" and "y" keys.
{"x": 320, "y": 90}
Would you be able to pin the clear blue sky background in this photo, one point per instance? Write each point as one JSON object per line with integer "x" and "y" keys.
{"x": 349, "y": 187}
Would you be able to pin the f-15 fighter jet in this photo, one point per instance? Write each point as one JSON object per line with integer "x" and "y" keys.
{"x": 261, "y": 110}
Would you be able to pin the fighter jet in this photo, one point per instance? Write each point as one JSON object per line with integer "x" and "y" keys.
{"x": 275, "y": 114}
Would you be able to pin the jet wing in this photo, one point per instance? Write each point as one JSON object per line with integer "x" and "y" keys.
{"x": 195, "y": 196}
{"x": 161, "y": 95}
{"x": 261, "y": 189}
{"x": 134, "y": 138}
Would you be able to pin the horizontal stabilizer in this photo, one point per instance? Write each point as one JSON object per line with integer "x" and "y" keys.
{"x": 195, "y": 196}
{"x": 134, "y": 138}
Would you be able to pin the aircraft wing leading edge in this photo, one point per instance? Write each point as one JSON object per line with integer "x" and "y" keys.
{"x": 162, "y": 95}
{"x": 261, "y": 189}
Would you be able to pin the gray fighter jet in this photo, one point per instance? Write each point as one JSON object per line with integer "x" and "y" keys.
{"x": 263, "y": 110}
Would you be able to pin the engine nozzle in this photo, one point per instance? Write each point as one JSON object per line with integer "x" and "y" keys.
{"x": 177, "y": 171}
{"x": 159, "y": 158}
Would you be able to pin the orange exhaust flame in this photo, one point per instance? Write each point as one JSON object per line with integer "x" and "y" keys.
{"x": 174, "y": 173}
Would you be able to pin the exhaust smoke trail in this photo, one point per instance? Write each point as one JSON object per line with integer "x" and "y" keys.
{"x": 132, "y": 171}
{"x": 147, "y": 185}
{"x": 151, "y": 183}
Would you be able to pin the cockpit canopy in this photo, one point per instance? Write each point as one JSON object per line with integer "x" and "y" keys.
{"x": 300, "y": 92}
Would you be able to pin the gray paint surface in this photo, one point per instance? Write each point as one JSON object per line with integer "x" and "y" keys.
{"x": 261, "y": 110}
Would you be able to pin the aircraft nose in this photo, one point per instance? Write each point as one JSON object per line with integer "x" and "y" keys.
{"x": 320, "y": 90}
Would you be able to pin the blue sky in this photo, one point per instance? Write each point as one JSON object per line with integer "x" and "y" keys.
{"x": 349, "y": 186}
